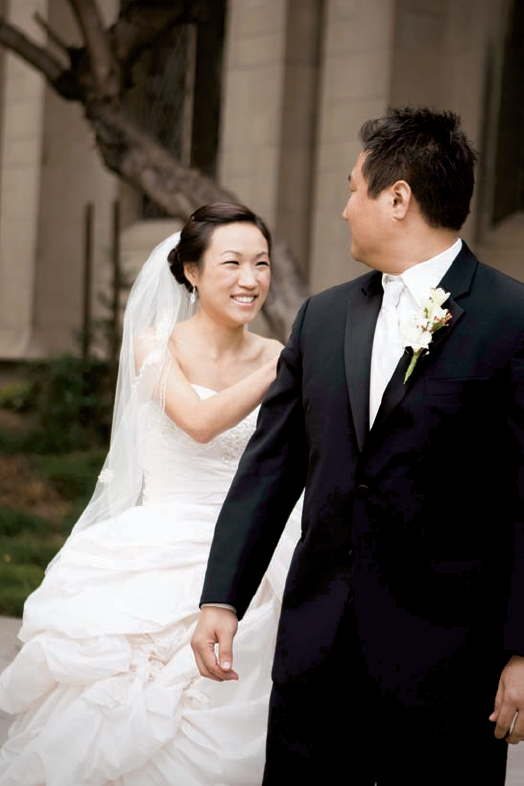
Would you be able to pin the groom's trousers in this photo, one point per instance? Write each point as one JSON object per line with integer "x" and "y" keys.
{"x": 342, "y": 729}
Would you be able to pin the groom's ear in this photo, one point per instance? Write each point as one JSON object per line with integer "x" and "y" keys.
{"x": 401, "y": 199}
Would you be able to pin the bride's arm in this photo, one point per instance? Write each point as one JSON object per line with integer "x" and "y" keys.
{"x": 204, "y": 419}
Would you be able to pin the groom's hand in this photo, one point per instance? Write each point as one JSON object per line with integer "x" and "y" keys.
{"x": 509, "y": 702}
{"x": 215, "y": 626}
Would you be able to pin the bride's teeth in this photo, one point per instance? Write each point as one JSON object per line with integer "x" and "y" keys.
{"x": 244, "y": 299}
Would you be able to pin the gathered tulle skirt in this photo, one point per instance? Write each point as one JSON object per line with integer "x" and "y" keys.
{"x": 105, "y": 689}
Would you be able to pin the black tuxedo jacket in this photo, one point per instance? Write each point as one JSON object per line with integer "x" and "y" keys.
{"x": 419, "y": 519}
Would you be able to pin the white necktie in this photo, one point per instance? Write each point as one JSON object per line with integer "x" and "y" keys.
{"x": 387, "y": 346}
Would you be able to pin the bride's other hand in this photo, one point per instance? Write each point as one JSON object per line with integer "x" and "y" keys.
{"x": 216, "y": 625}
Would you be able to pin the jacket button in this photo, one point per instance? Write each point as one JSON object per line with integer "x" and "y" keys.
{"x": 362, "y": 491}
{"x": 350, "y": 553}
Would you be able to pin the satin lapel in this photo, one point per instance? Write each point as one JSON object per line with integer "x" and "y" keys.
{"x": 361, "y": 319}
{"x": 457, "y": 281}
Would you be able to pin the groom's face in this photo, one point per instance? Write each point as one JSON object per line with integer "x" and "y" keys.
{"x": 367, "y": 218}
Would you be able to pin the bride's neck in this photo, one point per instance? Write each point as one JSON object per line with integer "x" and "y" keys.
{"x": 219, "y": 338}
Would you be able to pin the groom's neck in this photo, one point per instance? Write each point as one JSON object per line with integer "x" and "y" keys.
{"x": 413, "y": 248}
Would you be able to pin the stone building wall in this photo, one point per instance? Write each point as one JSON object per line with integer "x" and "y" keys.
{"x": 299, "y": 78}
{"x": 72, "y": 174}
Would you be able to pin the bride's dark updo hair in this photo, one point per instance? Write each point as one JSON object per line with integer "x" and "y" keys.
{"x": 196, "y": 234}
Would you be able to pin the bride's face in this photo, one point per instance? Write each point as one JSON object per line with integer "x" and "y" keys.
{"x": 233, "y": 279}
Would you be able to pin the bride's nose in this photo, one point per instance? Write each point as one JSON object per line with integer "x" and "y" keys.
{"x": 247, "y": 277}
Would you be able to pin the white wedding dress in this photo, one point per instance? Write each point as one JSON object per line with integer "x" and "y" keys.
{"x": 105, "y": 688}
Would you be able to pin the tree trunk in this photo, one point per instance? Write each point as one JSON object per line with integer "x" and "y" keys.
{"x": 136, "y": 157}
{"x": 98, "y": 78}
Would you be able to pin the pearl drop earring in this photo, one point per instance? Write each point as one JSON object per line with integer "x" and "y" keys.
{"x": 193, "y": 296}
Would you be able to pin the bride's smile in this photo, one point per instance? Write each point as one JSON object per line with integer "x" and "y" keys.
{"x": 233, "y": 279}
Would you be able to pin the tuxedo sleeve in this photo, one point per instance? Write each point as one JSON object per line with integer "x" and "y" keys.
{"x": 269, "y": 480}
{"x": 515, "y": 622}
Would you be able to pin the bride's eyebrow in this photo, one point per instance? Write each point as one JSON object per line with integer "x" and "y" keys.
{"x": 239, "y": 253}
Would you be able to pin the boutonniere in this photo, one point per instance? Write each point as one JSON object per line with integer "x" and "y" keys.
{"x": 419, "y": 334}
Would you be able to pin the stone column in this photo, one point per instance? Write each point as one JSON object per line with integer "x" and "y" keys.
{"x": 356, "y": 67}
{"x": 299, "y": 125}
{"x": 20, "y": 164}
{"x": 441, "y": 61}
{"x": 252, "y": 102}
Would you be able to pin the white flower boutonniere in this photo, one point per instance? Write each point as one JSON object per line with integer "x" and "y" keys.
{"x": 419, "y": 335}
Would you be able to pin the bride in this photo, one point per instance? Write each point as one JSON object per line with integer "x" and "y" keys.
{"x": 105, "y": 688}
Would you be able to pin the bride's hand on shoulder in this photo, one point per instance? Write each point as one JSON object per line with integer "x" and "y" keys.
{"x": 270, "y": 354}
{"x": 204, "y": 419}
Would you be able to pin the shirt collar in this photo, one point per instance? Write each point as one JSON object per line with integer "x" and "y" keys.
{"x": 420, "y": 278}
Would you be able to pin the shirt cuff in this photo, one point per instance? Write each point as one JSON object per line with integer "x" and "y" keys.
{"x": 219, "y": 606}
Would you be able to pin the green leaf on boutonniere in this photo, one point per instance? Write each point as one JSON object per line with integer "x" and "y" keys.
{"x": 419, "y": 335}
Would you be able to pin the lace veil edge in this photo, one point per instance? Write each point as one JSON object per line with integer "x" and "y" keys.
{"x": 156, "y": 302}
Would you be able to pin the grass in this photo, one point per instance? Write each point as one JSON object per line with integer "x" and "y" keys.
{"x": 41, "y": 497}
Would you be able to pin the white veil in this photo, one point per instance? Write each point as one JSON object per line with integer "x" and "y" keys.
{"x": 156, "y": 302}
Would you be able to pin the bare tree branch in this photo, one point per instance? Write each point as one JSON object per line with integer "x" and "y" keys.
{"x": 65, "y": 82}
{"x": 34, "y": 54}
{"x": 53, "y": 36}
{"x": 104, "y": 68}
{"x": 139, "y": 25}
{"x": 141, "y": 160}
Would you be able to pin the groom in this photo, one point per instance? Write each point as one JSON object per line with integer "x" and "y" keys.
{"x": 402, "y": 624}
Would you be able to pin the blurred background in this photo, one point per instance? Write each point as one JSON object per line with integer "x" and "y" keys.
{"x": 117, "y": 119}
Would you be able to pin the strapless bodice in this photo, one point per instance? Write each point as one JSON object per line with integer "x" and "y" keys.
{"x": 179, "y": 469}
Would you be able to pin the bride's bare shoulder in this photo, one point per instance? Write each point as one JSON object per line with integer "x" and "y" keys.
{"x": 265, "y": 348}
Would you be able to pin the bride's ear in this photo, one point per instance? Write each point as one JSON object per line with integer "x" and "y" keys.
{"x": 190, "y": 273}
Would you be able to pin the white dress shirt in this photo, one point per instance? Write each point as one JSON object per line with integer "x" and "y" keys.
{"x": 417, "y": 282}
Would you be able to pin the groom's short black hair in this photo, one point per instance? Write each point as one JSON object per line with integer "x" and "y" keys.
{"x": 429, "y": 151}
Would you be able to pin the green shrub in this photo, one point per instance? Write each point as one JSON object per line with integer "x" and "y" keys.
{"x": 74, "y": 404}
{"x": 73, "y": 475}
{"x": 15, "y": 441}
{"x": 24, "y": 550}
{"x": 18, "y": 396}
{"x": 14, "y": 522}
{"x": 16, "y": 583}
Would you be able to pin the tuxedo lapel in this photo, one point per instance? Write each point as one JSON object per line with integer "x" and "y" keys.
{"x": 361, "y": 319}
{"x": 457, "y": 281}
